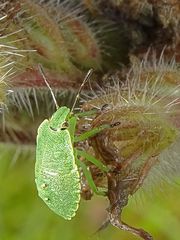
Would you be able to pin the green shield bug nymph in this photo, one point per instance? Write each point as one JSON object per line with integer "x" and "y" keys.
{"x": 56, "y": 169}
{"x": 56, "y": 172}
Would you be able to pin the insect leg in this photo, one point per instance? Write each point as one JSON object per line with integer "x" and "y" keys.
{"x": 93, "y": 160}
{"x": 91, "y": 133}
{"x": 87, "y": 113}
{"x": 89, "y": 178}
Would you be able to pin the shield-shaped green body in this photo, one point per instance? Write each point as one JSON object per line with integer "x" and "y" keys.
{"x": 56, "y": 174}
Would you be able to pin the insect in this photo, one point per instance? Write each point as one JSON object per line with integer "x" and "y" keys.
{"x": 56, "y": 170}
{"x": 127, "y": 130}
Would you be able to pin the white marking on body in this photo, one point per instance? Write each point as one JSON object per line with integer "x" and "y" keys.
{"x": 53, "y": 174}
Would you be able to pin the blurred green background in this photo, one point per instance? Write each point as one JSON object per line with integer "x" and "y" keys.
{"x": 23, "y": 216}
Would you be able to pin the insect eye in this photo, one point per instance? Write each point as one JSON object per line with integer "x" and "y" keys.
{"x": 65, "y": 126}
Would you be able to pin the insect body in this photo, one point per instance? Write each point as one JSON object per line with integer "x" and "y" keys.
{"x": 57, "y": 176}
{"x": 56, "y": 170}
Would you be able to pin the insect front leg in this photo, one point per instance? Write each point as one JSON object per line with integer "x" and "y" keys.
{"x": 90, "y": 133}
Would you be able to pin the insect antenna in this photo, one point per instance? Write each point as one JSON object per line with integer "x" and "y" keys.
{"x": 47, "y": 84}
{"x": 89, "y": 73}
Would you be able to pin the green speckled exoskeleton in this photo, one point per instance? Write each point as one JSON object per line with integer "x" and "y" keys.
{"x": 56, "y": 171}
